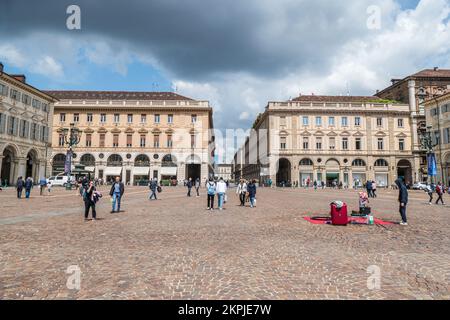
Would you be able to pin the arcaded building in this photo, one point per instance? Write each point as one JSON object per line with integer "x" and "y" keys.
{"x": 341, "y": 139}
{"x": 415, "y": 90}
{"x": 135, "y": 135}
{"x": 26, "y": 115}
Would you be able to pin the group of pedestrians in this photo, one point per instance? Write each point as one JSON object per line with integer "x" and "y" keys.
{"x": 213, "y": 188}
{"x": 26, "y": 185}
{"x": 439, "y": 189}
{"x": 246, "y": 190}
{"x": 371, "y": 187}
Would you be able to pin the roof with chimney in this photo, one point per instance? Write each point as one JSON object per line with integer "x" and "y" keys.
{"x": 115, "y": 95}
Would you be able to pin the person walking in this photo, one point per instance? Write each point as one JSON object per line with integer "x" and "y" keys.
{"x": 251, "y": 188}
{"x": 241, "y": 191}
{"x": 440, "y": 192}
{"x": 89, "y": 203}
{"x": 197, "y": 186}
{"x": 211, "y": 189}
{"x": 189, "y": 186}
{"x": 369, "y": 188}
{"x": 116, "y": 192}
{"x": 402, "y": 199}
{"x": 19, "y": 186}
{"x": 374, "y": 189}
{"x": 221, "y": 192}
{"x": 28, "y": 187}
{"x": 429, "y": 189}
{"x": 42, "y": 185}
{"x": 153, "y": 185}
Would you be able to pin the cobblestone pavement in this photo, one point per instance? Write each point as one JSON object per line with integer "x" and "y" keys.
{"x": 174, "y": 249}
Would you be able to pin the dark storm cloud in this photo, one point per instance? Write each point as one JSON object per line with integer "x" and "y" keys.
{"x": 198, "y": 39}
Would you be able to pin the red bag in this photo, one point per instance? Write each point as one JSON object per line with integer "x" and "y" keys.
{"x": 339, "y": 217}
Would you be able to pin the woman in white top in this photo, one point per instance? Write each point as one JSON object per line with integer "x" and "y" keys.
{"x": 241, "y": 191}
{"x": 221, "y": 190}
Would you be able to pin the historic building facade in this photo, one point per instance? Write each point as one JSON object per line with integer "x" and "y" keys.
{"x": 344, "y": 139}
{"x": 224, "y": 171}
{"x": 26, "y": 115}
{"x": 415, "y": 90}
{"x": 437, "y": 111}
{"x": 135, "y": 135}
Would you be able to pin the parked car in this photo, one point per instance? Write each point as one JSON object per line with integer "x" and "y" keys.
{"x": 419, "y": 186}
{"x": 60, "y": 180}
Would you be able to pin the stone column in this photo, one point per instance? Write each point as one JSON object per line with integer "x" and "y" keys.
{"x": 21, "y": 168}
{"x": 41, "y": 168}
{"x": 413, "y": 110}
{"x": 1, "y": 162}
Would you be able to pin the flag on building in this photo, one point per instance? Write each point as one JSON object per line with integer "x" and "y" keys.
{"x": 432, "y": 167}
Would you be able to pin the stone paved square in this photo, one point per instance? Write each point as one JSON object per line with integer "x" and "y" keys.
{"x": 175, "y": 249}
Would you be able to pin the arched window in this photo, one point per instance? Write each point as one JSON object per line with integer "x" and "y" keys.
{"x": 114, "y": 160}
{"x": 169, "y": 161}
{"x": 59, "y": 159}
{"x": 358, "y": 163}
{"x": 381, "y": 163}
{"x": 306, "y": 162}
{"x": 142, "y": 161}
{"x": 87, "y": 160}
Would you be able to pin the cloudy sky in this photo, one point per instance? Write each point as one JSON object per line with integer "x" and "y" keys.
{"x": 236, "y": 54}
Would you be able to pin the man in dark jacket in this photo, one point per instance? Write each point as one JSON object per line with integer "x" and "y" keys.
{"x": 369, "y": 188}
{"x": 402, "y": 199}
{"x": 117, "y": 190}
{"x": 28, "y": 186}
{"x": 153, "y": 185}
{"x": 189, "y": 186}
{"x": 19, "y": 186}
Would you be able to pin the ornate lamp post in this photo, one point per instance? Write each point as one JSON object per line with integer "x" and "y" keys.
{"x": 72, "y": 136}
{"x": 428, "y": 144}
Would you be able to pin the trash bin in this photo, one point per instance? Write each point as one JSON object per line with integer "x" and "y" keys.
{"x": 68, "y": 186}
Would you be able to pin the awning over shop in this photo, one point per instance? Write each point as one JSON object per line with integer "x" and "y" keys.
{"x": 169, "y": 171}
{"x": 141, "y": 171}
{"x": 113, "y": 171}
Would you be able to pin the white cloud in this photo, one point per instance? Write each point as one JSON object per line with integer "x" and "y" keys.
{"x": 48, "y": 67}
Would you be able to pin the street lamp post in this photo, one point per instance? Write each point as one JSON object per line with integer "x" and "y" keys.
{"x": 72, "y": 136}
{"x": 428, "y": 145}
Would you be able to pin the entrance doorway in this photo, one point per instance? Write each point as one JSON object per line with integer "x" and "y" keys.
{"x": 284, "y": 173}
{"x": 404, "y": 171}
{"x": 7, "y": 167}
{"x": 332, "y": 179}
{"x": 193, "y": 171}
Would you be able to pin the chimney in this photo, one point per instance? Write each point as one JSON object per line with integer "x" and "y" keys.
{"x": 436, "y": 68}
{"x": 19, "y": 77}
{"x": 1, "y": 68}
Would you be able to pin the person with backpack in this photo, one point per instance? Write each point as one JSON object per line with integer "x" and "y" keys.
{"x": 116, "y": 193}
{"x": 28, "y": 187}
{"x": 221, "y": 192}
{"x": 402, "y": 199}
{"x": 440, "y": 192}
{"x": 241, "y": 191}
{"x": 211, "y": 190}
{"x": 251, "y": 189}
{"x": 89, "y": 202}
{"x": 19, "y": 186}
{"x": 189, "y": 186}
{"x": 153, "y": 185}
